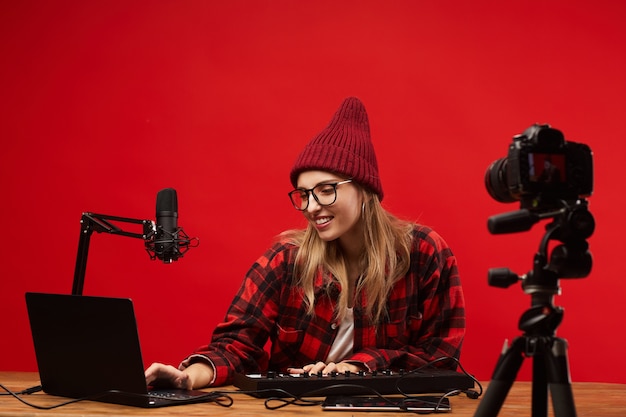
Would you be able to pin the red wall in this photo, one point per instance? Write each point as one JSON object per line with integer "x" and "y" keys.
{"x": 105, "y": 103}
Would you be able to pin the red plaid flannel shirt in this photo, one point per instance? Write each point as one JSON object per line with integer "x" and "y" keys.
{"x": 425, "y": 321}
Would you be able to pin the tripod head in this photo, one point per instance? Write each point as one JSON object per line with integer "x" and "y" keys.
{"x": 571, "y": 226}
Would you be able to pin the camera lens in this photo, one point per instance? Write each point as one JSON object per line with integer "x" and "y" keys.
{"x": 496, "y": 181}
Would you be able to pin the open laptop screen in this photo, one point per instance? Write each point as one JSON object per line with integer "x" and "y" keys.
{"x": 88, "y": 346}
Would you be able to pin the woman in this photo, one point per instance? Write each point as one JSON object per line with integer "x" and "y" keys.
{"x": 358, "y": 289}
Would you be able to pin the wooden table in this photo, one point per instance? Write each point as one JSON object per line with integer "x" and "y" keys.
{"x": 592, "y": 399}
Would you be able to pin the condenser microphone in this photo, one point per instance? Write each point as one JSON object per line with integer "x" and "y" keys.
{"x": 165, "y": 246}
{"x": 169, "y": 241}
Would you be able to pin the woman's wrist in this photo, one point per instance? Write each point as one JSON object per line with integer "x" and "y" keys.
{"x": 200, "y": 375}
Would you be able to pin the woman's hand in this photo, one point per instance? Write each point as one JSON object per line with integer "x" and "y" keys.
{"x": 326, "y": 368}
{"x": 160, "y": 374}
{"x": 196, "y": 375}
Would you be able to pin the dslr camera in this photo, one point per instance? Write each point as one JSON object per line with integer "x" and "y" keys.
{"x": 541, "y": 170}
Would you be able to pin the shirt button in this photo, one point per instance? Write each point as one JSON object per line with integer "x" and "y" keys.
{"x": 333, "y": 326}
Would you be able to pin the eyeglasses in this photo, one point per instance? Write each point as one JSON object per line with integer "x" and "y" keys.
{"x": 324, "y": 194}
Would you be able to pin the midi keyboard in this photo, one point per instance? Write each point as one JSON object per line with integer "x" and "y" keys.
{"x": 363, "y": 383}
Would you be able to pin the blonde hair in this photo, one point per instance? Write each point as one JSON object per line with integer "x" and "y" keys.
{"x": 385, "y": 259}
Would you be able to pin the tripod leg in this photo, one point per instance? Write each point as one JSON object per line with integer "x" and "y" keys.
{"x": 540, "y": 385}
{"x": 503, "y": 377}
{"x": 559, "y": 380}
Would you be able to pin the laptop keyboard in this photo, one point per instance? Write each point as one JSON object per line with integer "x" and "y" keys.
{"x": 169, "y": 395}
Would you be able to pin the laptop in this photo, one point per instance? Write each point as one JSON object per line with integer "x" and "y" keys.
{"x": 88, "y": 347}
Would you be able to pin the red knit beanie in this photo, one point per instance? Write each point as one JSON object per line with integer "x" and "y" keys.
{"x": 343, "y": 147}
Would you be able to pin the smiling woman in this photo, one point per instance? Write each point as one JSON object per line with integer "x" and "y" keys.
{"x": 358, "y": 289}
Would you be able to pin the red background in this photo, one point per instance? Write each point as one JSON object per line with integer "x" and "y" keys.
{"x": 105, "y": 103}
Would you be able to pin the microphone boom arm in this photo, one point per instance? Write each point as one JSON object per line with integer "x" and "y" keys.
{"x": 92, "y": 222}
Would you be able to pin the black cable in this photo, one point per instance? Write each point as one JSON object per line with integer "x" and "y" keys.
{"x": 39, "y": 407}
{"x": 26, "y": 391}
{"x": 283, "y": 402}
{"x": 470, "y": 392}
{"x": 438, "y": 406}
{"x": 285, "y": 398}
{"x": 218, "y": 398}
{"x": 325, "y": 391}
{"x": 223, "y": 400}
{"x": 31, "y": 390}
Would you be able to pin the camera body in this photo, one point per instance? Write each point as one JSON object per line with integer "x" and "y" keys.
{"x": 541, "y": 170}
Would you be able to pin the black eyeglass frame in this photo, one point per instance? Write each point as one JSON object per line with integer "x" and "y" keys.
{"x": 310, "y": 192}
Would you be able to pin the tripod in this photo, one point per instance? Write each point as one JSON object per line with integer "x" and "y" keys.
{"x": 572, "y": 226}
{"x": 550, "y": 366}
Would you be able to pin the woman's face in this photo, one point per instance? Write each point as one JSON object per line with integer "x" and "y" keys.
{"x": 339, "y": 220}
